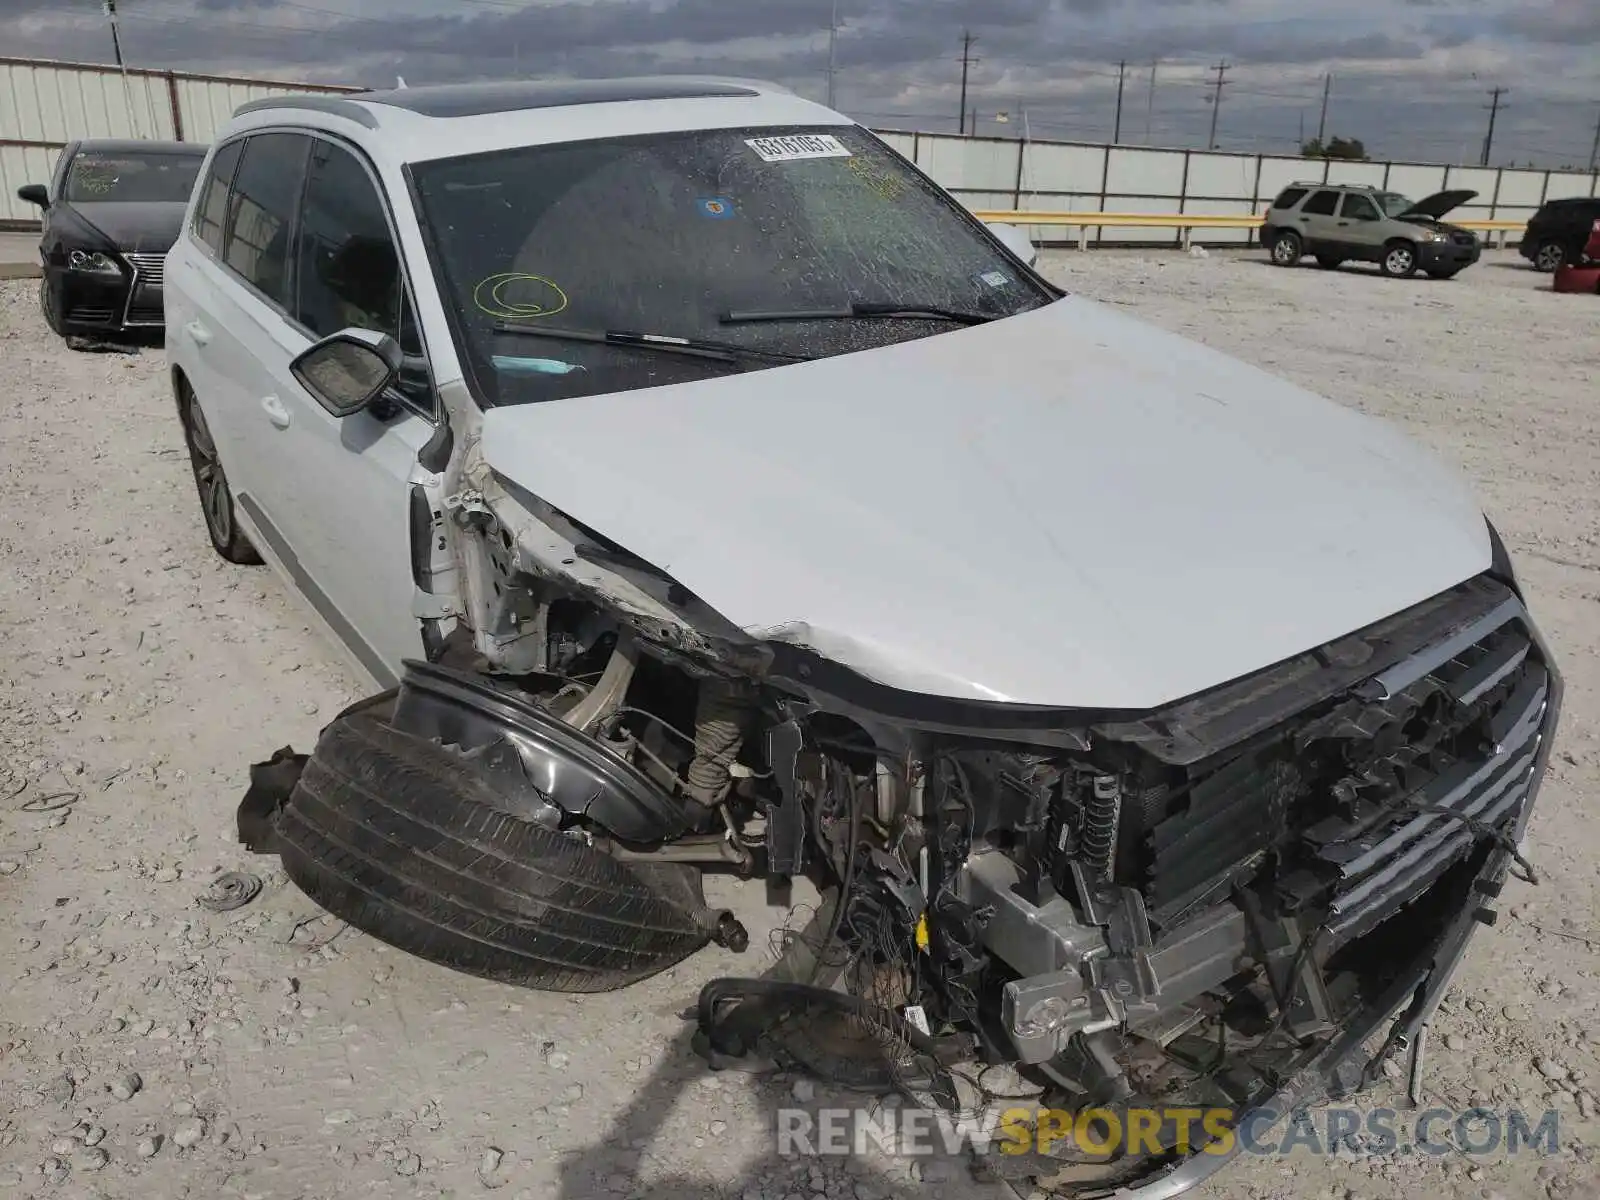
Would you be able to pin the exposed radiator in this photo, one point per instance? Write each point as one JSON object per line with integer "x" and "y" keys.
{"x": 1330, "y": 803}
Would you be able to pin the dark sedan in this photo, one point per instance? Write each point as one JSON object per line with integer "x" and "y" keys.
{"x": 111, "y": 212}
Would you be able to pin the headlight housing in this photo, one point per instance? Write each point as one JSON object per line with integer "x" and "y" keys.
{"x": 93, "y": 262}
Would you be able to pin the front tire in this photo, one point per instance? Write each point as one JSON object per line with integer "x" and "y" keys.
{"x": 1399, "y": 260}
{"x": 1329, "y": 262}
{"x": 1550, "y": 257}
{"x": 216, "y": 497}
{"x": 1287, "y": 249}
{"x": 405, "y": 840}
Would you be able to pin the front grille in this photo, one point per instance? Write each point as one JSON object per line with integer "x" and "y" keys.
{"x": 1464, "y": 239}
{"x": 1337, "y": 811}
{"x": 1387, "y": 855}
{"x": 152, "y": 268}
{"x": 142, "y": 312}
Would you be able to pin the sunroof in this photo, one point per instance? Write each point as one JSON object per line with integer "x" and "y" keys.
{"x": 479, "y": 99}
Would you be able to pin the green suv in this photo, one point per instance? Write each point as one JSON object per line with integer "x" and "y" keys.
{"x": 1339, "y": 223}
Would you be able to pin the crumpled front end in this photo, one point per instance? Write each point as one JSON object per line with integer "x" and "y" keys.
{"x": 1214, "y": 905}
{"x": 1211, "y": 904}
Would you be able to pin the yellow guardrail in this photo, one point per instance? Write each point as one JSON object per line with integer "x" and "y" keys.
{"x": 1185, "y": 223}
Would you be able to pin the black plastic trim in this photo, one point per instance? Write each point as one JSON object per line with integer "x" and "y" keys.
{"x": 549, "y": 762}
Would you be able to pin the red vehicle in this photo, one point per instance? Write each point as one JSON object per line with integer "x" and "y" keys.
{"x": 1585, "y": 278}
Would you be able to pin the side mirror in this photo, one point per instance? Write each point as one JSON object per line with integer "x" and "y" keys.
{"x": 34, "y": 193}
{"x": 348, "y": 370}
{"x": 1015, "y": 241}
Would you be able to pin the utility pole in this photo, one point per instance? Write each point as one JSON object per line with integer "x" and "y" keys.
{"x": 833, "y": 48}
{"x": 1322, "y": 122}
{"x": 1494, "y": 111}
{"x": 109, "y": 7}
{"x": 1594, "y": 152}
{"x": 1116, "y": 129}
{"x": 967, "y": 61}
{"x": 1150, "y": 101}
{"x": 1221, "y": 69}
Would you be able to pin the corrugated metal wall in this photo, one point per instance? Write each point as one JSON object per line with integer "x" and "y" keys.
{"x": 995, "y": 173}
{"x": 44, "y": 105}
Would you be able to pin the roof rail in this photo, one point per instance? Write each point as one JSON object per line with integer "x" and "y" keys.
{"x": 332, "y": 105}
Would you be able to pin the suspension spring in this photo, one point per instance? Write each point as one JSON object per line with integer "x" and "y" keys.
{"x": 721, "y": 715}
{"x": 1101, "y": 812}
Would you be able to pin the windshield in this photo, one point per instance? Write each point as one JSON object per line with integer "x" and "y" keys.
{"x": 1393, "y": 203}
{"x": 784, "y": 244}
{"x": 146, "y": 176}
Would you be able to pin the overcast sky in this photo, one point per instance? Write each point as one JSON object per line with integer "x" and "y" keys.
{"x": 1410, "y": 77}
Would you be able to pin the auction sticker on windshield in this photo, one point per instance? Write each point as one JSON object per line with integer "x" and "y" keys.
{"x": 797, "y": 146}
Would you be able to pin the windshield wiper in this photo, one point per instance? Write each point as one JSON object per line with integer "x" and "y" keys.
{"x": 724, "y": 352}
{"x": 910, "y": 312}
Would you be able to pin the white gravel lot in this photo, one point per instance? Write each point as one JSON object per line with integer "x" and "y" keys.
{"x": 139, "y": 676}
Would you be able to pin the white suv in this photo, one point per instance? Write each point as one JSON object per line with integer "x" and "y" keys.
{"x": 708, "y": 489}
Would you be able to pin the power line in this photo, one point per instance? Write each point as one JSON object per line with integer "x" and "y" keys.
{"x": 967, "y": 61}
{"x": 1494, "y": 111}
{"x": 1216, "y": 100}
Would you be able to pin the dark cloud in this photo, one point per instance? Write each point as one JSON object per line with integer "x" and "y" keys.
{"x": 1559, "y": 22}
{"x": 898, "y": 58}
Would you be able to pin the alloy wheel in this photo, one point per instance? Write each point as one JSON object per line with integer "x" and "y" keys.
{"x": 1400, "y": 261}
{"x": 1550, "y": 257}
{"x": 215, "y": 499}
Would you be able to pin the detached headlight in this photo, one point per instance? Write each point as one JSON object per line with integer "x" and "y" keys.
{"x": 93, "y": 262}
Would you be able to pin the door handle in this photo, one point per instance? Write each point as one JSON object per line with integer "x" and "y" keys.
{"x": 1342, "y": 224}
{"x": 1304, "y": 220}
{"x": 198, "y": 333}
{"x": 276, "y": 412}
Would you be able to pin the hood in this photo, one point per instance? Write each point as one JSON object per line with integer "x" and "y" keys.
{"x": 1067, "y": 507}
{"x": 1437, "y": 205}
{"x": 144, "y": 227}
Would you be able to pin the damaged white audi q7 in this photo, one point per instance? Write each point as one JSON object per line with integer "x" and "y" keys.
{"x": 707, "y": 490}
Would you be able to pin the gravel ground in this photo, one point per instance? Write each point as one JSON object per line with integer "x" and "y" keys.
{"x": 151, "y": 1047}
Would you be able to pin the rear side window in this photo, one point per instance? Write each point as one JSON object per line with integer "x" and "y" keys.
{"x": 211, "y": 212}
{"x": 1289, "y": 197}
{"x": 1322, "y": 204}
{"x": 260, "y": 227}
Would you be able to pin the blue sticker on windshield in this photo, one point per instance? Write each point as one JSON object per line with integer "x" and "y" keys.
{"x": 513, "y": 364}
{"x": 717, "y": 208}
